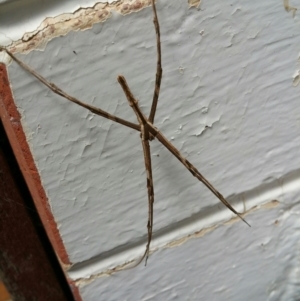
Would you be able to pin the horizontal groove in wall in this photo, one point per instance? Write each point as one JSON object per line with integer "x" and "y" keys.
{"x": 107, "y": 262}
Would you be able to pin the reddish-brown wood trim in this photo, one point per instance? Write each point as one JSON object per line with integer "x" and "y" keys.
{"x": 12, "y": 124}
{"x": 25, "y": 268}
{"x": 11, "y": 120}
{"x": 4, "y": 295}
{"x": 75, "y": 290}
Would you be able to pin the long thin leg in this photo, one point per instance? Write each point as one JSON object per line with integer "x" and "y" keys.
{"x": 60, "y": 92}
{"x": 131, "y": 100}
{"x": 146, "y": 127}
{"x": 163, "y": 140}
{"x": 150, "y": 189}
{"x": 145, "y": 136}
{"x": 158, "y": 66}
{"x": 193, "y": 170}
{"x": 147, "y": 130}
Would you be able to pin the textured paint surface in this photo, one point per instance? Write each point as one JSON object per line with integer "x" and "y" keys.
{"x": 226, "y": 264}
{"x": 229, "y": 103}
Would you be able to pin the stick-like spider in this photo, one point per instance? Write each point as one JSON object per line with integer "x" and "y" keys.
{"x": 145, "y": 126}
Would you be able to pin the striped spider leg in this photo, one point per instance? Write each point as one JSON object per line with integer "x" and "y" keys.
{"x": 145, "y": 126}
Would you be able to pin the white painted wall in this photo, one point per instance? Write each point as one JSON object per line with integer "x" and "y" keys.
{"x": 229, "y": 102}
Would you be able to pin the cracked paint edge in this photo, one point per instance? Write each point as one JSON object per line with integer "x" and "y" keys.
{"x": 80, "y": 20}
{"x": 194, "y": 3}
{"x": 80, "y": 282}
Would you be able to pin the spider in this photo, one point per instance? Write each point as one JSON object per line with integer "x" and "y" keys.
{"x": 145, "y": 126}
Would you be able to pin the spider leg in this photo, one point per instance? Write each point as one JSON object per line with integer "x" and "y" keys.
{"x": 60, "y": 92}
{"x": 145, "y": 137}
{"x": 150, "y": 189}
{"x": 192, "y": 169}
{"x": 158, "y": 66}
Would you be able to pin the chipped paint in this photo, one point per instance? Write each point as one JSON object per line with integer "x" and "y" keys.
{"x": 5, "y": 58}
{"x": 179, "y": 242}
{"x": 82, "y": 19}
{"x": 206, "y": 127}
{"x": 269, "y": 205}
{"x": 296, "y": 78}
{"x": 289, "y": 8}
{"x": 202, "y": 232}
{"x": 194, "y": 3}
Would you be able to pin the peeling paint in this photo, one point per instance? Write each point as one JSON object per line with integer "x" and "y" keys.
{"x": 206, "y": 127}
{"x": 269, "y": 205}
{"x": 82, "y": 19}
{"x": 109, "y": 272}
{"x": 296, "y": 78}
{"x": 202, "y": 232}
{"x": 289, "y": 8}
{"x": 5, "y": 58}
{"x": 194, "y": 3}
{"x": 198, "y": 234}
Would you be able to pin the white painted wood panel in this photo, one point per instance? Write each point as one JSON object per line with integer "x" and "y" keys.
{"x": 229, "y": 102}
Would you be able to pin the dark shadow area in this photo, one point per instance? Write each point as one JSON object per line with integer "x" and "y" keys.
{"x": 30, "y": 211}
